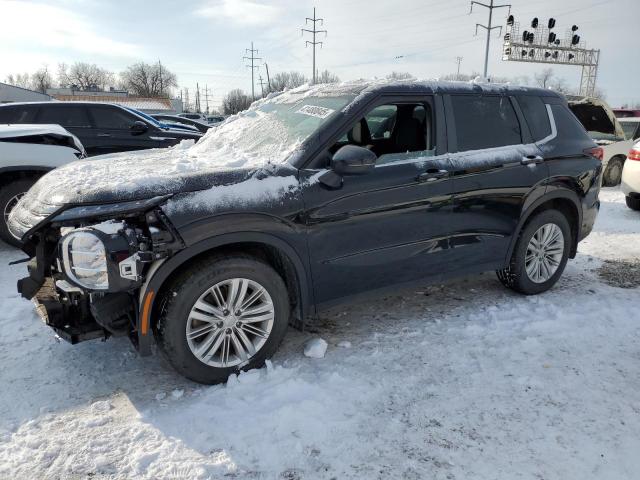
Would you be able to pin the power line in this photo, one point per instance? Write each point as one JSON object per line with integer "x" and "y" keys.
{"x": 488, "y": 28}
{"x": 313, "y": 32}
{"x": 253, "y": 68}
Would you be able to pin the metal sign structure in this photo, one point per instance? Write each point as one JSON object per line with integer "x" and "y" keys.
{"x": 539, "y": 43}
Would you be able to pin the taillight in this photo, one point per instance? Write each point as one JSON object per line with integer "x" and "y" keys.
{"x": 634, "y": 154}
{"x": 595, "y": 152}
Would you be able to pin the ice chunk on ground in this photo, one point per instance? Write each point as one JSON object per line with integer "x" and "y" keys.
{"x": 315, "y": 348}
{"x": 344, "y": 344}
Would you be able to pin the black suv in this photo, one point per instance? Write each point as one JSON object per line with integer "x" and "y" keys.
{"x": 308, "y": 199}
{"x": 101, "y": 127}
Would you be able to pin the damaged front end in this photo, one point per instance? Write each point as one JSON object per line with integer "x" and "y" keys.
{"x": 90, "y": 265}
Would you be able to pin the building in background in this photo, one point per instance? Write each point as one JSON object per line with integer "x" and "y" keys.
{"x": 167, "y": 106}
{"x": 11, "y": 93}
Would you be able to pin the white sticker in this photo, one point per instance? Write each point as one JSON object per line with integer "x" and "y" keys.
{"x": 314, "y": 111}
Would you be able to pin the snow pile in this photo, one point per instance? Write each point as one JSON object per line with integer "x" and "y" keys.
{"x": 315, "y": 348}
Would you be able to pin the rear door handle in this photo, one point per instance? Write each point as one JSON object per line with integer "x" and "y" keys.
{"x": 432, "y": 175}
{"x": 103, "y": 135}
{"x": 531, "y": 160}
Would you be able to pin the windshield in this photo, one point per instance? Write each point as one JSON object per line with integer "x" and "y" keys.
{"x": 277, "y": 125}
{"x": 148, "y": 118}
{"x": 629, "y": 129}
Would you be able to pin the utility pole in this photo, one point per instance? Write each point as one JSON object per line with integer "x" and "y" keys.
{"x": 488, "y": 28}
{"x": 206, "y": 97}
{"x": 266, "y": 66}
{"x": 458, "y": 61}
{"x": 262, "y": 84}
{"x": 198, "y": 98}
{"x": 313, "y": 32}
{"x": 253, "y": 67}
{"x": 186, "y": 99}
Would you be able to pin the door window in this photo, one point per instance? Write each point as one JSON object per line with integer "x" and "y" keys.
{"x": 65, "y": 116}
{"x": 395, "y": 132}
{"x": 485, "y": 122}
{"x": 112, "y": 118}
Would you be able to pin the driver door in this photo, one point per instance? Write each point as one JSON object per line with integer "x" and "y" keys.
{"x": 390, "y": 225}
{"x": 113, "y": 131}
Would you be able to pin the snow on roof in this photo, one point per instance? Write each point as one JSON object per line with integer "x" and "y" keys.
{"x": 139, "y": 103}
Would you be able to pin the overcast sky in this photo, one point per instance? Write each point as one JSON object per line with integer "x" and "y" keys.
{"x": 204, "y": 40}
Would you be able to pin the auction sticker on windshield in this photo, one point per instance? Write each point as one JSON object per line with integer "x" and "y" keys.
{"x": 313, "y": 111}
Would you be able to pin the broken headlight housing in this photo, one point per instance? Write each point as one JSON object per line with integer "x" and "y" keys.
{"x": 84, "y": 260}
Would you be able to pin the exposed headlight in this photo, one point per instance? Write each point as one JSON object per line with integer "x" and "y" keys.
{"x": 85, "y": 260}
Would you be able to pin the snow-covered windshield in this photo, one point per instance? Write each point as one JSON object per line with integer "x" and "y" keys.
{"x": 278, "y": 124}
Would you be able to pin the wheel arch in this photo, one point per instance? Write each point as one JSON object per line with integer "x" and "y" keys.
{"x": 275, "y": 251}
{"x": 564, "y": 200}
{"x": 8, "y": 174}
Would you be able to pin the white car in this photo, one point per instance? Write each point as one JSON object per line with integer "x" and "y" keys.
{"x": 607, "y": 131}
{"x": 26, "y": 153}
{"x": 630, "y": 185}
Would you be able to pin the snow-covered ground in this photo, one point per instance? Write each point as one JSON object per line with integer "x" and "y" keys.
{"x": 464, "y": 380}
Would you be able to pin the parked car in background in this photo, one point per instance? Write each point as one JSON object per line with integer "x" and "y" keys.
{"x": 626, "y": 112}
{"x": 631, "y": 127}
{"x": 215, "y": 249}
{"x": 102, "y": 128}
{"x": 26, "y": 153}
{"x": 194, "y": 116}
{"x": 605, "y": 129}
{"x": 213, "y": 119}
{"x": 177, "y": 120}
{"x": 631, "y": 178}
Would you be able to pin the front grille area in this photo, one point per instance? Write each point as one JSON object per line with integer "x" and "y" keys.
{"x": 29, "y": 211}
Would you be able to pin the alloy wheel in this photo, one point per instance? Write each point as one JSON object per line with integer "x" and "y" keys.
{"x": 10, "y": 205}
{"x": 544, "y": 253}
{"x": 230, "y": 322}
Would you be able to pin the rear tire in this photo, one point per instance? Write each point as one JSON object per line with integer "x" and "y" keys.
{"x": 9, "y": 195}
{"x": 189, "y": 309}
{"x": 522, "y": 274}
{"x": 613, "y": 173}
{"x": 633, "y": 203}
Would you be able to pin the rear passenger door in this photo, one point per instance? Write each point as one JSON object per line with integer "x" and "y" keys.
{"x": 72, "y": 117}
{"x": 113, "y": 131}
{"x": 496, "y": 169}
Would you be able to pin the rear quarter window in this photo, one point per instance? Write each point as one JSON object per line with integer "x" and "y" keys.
{"x": 536, "y": 115}
{"x": 567, "y": 124}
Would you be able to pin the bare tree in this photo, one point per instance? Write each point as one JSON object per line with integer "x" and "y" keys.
{"x": 235, "y": 101}
{"x": 327, "y": 77}
{"x": 147, "y": 80}
{"x": 84, "y": 76}
{"x": 41, "y": 80}
{"x": 283, "y": 80}
{"x": 19, "y": 80}
{"x": 544, "y": 78}
{"x": 400, "y": 76}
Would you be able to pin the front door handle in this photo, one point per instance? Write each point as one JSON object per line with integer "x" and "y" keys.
{"x": 103, "y": 135}
{"x": 432, "y": 175}
{"x": 531, "y": 160}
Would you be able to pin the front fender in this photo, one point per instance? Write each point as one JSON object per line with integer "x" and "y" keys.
{"x": 163, "y": 273}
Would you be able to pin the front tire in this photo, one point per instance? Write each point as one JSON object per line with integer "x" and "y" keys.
{"x": 222, "y": 316}
{"x": 9, "y": 196}
{"x": 540, "y": 255}
{"x": 633, "y": 203}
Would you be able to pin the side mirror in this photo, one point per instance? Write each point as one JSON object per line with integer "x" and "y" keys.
{"x": 353, "y": 160}
{"x": 138, "y": 128}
